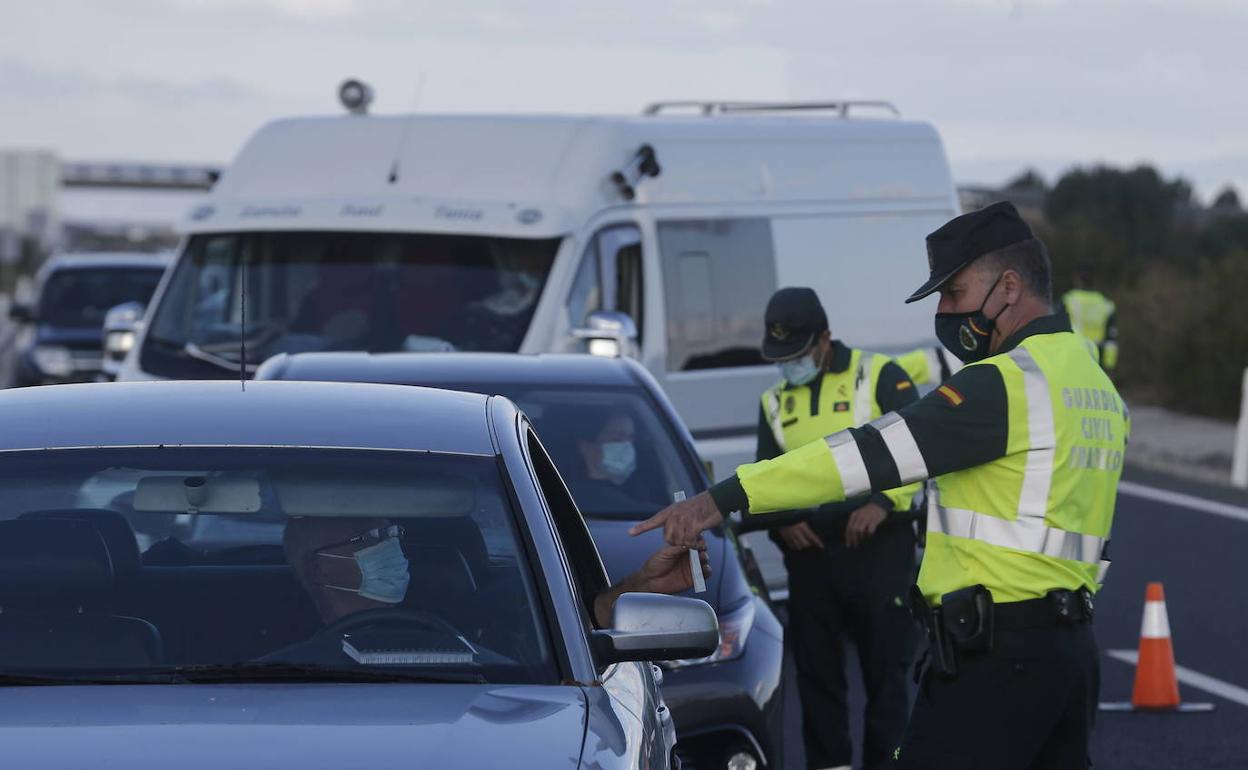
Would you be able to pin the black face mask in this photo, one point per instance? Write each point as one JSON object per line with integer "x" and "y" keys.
{"x": 966, "y": 335}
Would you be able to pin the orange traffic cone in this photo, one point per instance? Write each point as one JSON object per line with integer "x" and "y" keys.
{"x": 1156, "y": 684}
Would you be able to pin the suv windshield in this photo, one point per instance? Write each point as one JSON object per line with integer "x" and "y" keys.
{"x": 343, "y": 291}
{"x": 613, "y": 446}
{"x": 81, "y": 296}
{"x": 176, "y": 563}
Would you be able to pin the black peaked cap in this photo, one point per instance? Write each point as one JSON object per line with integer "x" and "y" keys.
{"x": 963, "y": 239}
{"x": 794, "y": 320}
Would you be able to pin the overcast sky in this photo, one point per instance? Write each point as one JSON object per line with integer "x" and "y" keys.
{"x": 1045, "y": 83}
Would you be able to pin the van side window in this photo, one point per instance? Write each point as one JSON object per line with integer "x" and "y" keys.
{"x": 718, "y": 274}
{"x": 588, "y": 574}
{"x": 610, "y": 276}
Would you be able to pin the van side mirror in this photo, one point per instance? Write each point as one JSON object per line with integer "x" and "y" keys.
{"x": 657, "y": 627}
{"x": 21, "y": 312}
{"x": 611, "y": 334}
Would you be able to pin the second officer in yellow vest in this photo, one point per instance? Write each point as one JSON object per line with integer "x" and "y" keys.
{"x": 1026, "y": 446}
{"x": 851, "y": 563}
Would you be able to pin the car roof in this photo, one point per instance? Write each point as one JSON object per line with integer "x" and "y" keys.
{"x": 221, "y": 413}
{"x": 106, "y": 259}
{"x": 441, "y": 369}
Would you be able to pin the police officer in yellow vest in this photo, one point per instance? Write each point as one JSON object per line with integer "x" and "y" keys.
{"x": 1093, "y": 315}
{"x": 1026, "y": 447}
{"x": 851, "y": 563}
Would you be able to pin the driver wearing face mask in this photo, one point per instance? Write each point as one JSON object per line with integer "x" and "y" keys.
{"x": 351, "y": 565}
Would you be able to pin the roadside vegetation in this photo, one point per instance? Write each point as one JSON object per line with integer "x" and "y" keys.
{"x": 1178, "y": 271}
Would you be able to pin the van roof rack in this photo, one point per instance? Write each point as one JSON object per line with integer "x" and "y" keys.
{"x": 842, "y": 108}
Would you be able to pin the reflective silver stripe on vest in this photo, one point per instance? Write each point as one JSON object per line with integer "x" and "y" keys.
{"x": 1033, "y": 498}
{"x": 865, "y": 394}
{"x": 902, "y": 446}
{"x": 849, "y": 463}
{"x": 773, "y": 418}
{"x": 1023, "y": 535}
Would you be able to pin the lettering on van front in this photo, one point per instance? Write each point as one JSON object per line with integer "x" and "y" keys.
{"x": 266, "y": 212}
{"x": 355, "y": 210}
{"x": 463, "y": 215}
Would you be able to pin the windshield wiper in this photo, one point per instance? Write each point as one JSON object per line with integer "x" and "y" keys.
{"x": 308, "y": 672}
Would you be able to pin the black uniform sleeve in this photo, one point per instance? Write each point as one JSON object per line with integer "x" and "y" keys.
{"x": 767, "y": 447}
{"x": 962, "y": 424}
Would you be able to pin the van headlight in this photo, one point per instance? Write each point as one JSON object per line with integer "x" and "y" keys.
{"x": 118, "y": 343}
{"x": 734, "y": 630}
{"x": 53, "y": 360}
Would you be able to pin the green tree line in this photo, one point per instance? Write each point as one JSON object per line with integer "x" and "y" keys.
{"x": 1177, "y": 270}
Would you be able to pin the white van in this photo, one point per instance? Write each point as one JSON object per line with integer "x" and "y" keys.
{"x": 663, "y": 234}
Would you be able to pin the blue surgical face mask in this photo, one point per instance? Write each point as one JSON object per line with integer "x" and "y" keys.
{"x": 800, "y": 371}
{"x": 619, "y": 460}
{"x": 384, "y": 570}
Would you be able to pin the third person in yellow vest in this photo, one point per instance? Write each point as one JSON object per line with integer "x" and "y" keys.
{"x": 1094, "y": 316}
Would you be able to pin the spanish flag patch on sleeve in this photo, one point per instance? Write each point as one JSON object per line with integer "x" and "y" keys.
{"x": 951, "y": 395}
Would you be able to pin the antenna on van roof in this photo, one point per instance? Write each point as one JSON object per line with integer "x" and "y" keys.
{"x": 242, "y": 324}
{"x": 420, "y": 90}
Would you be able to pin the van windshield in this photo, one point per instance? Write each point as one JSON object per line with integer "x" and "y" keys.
{"x": 372, "y": 292}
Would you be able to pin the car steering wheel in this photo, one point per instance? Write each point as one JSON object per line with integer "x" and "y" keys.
{"x": 386, "y": 616}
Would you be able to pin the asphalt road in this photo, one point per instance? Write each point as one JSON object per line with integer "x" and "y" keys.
{"x": 1202, "y": 559}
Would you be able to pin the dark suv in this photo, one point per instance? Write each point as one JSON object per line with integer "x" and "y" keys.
{"x": 61, "y": 335}
{"x": 623, "y": 453}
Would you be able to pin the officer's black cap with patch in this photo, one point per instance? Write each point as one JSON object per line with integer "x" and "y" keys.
{"x": 963, "y": 239}
{"x": 794, "y": 320}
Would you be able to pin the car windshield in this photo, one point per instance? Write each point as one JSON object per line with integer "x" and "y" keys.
{"x": 343, "y": 291}
{"x": 181, "y": 564}
{"x": 81, "y": 296}
{"x": 613, "y": 447}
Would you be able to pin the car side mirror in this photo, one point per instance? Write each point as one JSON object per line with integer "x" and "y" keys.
{"x": 657, "y": 627}
{"x": 21, "y": 312}
{"x": 610, "y": 334}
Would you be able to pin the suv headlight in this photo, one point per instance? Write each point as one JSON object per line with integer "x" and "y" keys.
{"x": 734, "y": 630}
{"x": 53, "y": 360}
{"x": 118, "y": 343}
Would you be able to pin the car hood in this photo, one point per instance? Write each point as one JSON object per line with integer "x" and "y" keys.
{"x": 282, "y": 726}
{"x": 622, "y": 553}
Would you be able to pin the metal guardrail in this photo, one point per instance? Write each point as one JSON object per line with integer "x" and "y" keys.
{"x": 708, "y": 108}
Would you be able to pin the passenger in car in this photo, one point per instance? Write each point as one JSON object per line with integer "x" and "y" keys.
{"x": 608, "y": 451}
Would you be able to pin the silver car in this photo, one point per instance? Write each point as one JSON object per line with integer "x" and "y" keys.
{"x": 312, "y": 575}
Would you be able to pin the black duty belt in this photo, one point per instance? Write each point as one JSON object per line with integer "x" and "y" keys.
{"x": 1056, "y": 608}
{"x": 967, "y": 621}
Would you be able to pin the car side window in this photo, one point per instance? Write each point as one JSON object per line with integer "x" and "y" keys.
{"x": 582, "y": 556}
{"x": 718, "y": 274}
{"x": 610, "y": 276}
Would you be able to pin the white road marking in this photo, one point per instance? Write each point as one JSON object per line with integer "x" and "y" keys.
{"x": 1237, "y": 512}
{"x": 1195, "y": 679}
